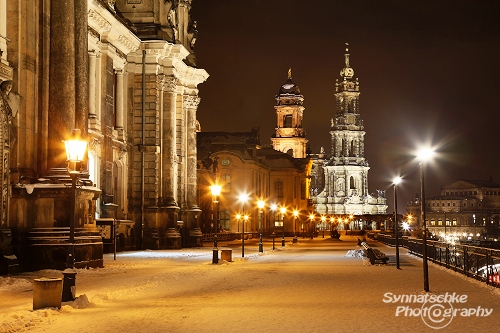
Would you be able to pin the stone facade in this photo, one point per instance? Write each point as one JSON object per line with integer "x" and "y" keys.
{"x": 125, "y": 74}
{"x": 464, "y": 209}
{"x": 340, "y": 184}
{"x": 239, "y": 163}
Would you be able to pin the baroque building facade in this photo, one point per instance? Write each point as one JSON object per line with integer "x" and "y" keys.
{"x": 242, "y": 166}
{"x": 340, "y": 181}
{"x": 465, "y": 209}
{"x": 123, "y": 73}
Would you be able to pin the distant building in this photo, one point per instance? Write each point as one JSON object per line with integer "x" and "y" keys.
{"x": 468, "y": 208}
{"x": 340, "y": 180}
{"x": 239, "y": 163}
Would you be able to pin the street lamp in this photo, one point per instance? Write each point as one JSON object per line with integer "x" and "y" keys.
{"x": 323, "y": 221}
{"x": 260, "y": 205}
{"x": 332, "y": 221}
{"x": 283, "y": 211}
{"x": 395, "y": 182}
{"x": 311, "y": 217}
{"x": 75, "y": 152}
{"x": 274, "y": 207}
{"x": 215, "y": 189}
{"x": 295, "y": 216}
{"x": 423, "y": 156}
{"x": 243, "y": 198}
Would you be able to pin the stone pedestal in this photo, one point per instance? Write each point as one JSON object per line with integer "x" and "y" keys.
{"x": 173, "y": 239}
{"x": 41, "y": 216}
{"x": 191, "y": 218}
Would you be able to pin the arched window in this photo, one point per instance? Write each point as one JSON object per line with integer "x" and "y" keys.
{"x": 351, "y": 183}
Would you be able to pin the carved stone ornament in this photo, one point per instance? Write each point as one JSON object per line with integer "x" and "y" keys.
{"x": 191, "y": 102}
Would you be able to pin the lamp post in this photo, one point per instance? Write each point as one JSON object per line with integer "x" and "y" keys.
{"x": 295, "y": 216}
{"x": 283, "y": 211}
{"x": 260, "y": 205}
{"x": 243, "y": 198}
{"x": 323, "y": 222}
{"x": 274, "y": 207}
{"x": 215, "y": 189}
{"x": 424, "y": 155}
{"x": 75, "y": 152}
{"x": 395, "y": 183}
{"x": 311, "y": 217}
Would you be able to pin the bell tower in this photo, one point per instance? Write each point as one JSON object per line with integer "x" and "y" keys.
{"x": 290, "y": 135}
{"x": 345, "y": 188}
{"x": 347, "y": 134}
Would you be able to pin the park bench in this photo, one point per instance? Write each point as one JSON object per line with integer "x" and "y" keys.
{"x": 374, "y": 255}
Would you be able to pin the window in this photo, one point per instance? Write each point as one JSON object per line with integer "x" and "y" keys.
{"x": 351, "y": 183}
{"x": 226, "y": 181}
{"x": 278, "y": 189}
{"x": 224, "y": 219}
{"x": 433, "y": 222}
{"x": 454, "y": 222}
{"x": 440, "y": 222}
{"x": 287, "y": 121}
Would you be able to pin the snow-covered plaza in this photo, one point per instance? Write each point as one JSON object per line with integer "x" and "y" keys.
{"x": 314, "y": 285}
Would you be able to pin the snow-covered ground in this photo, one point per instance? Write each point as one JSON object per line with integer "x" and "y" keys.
{"x": 318, "y": 285}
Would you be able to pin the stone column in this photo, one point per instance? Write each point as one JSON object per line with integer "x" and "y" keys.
{"x": 169, "y": 163}
{"x": 119, "y": 99}
{"x": 62, "y": 105}
{"x": 81, "y": 67}
{"x": 191, "y": 104}
{"x": 169, "y": 142}
{"x": 193, "y": 212}
{"x": 92, "y": 83}
{"x": 68, "y": 76}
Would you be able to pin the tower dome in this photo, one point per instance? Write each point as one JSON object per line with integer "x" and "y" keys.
{"x": 289, "y": 92}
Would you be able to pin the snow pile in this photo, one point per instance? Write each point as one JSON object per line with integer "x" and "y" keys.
{"x": 81, "y": 302}
{"x": 15, "y": 284}
{"x": 360, "y": 254}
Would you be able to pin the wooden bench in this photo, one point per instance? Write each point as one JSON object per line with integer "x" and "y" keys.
{"x": 374, "y": 255}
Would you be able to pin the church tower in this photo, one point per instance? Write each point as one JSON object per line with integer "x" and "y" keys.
{"x": 345, "y": 188}
{"x": 290, "y": 136}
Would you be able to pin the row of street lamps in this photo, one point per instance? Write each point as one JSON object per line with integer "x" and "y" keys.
{"x": 423, "y": 156}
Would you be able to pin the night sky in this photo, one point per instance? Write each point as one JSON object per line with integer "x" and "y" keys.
{"x": 429, "y": 73}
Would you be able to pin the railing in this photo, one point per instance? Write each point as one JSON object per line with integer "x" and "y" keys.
{"x": 221, "y": 236}
{"x": 477, "y": 262}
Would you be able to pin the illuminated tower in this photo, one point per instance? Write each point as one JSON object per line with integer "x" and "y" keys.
{"x": 290, "y": 136}
{"x": 346, "y": 171}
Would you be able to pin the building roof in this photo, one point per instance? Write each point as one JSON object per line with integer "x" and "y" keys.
{"x": 466, "y": 184}
{"x": 247, "y": 146}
